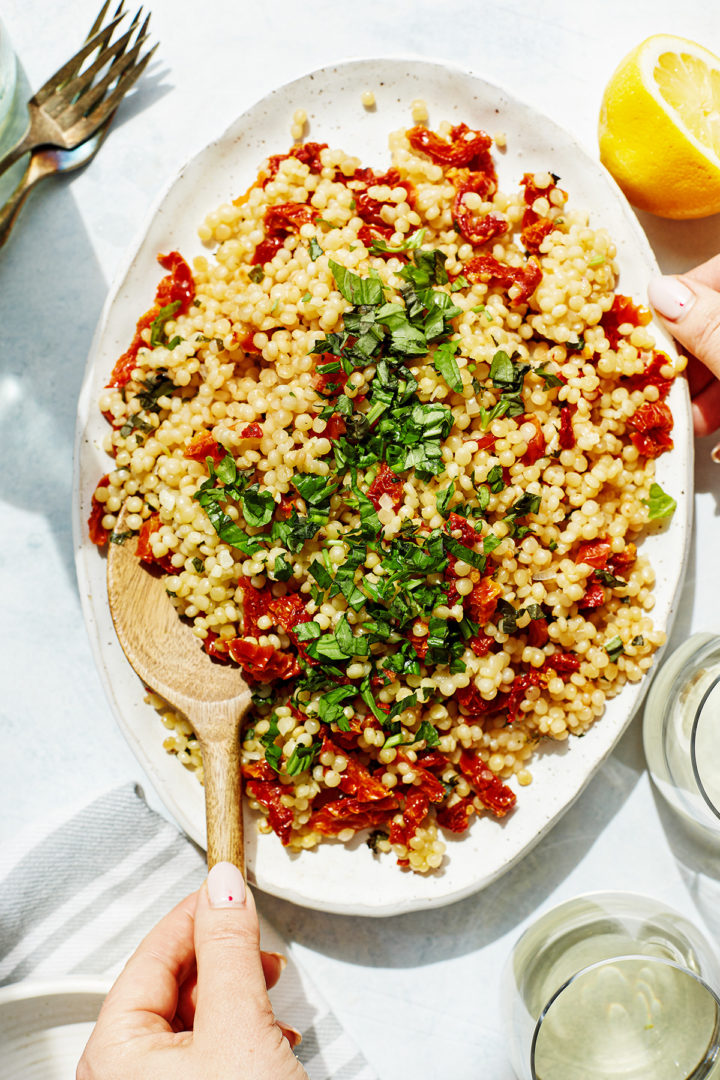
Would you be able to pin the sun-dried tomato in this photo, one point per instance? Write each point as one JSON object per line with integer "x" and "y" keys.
{"x": 536, "y": 445}
{"x": 308, "y": 153}
{"x": 347, "y": 812}
{"x": 367, "y": 234}
{"x": 538, "y": 633}
{"x": 480, "y": 604}
{"x": 216, "y": 647}
{"x": 623, "y": 310}
{"x": 263, "y": 663}
{"x": 564, "y": 663}
{"x": 468, "y": 533}
{"x": 328, "y": 383}
{"x": 280, "y": 221}
{"x": 484, "y": 442}
{"x": 493, "y": 794}
{"x": 474, "y": 228}
{"x": 432, "y": 760}
{"x": 252, "y": 431}
{"x": 268, "y": 794}
{"x": 473, "y": 704}
{"x": 518, "y": 690}
{"x": 463, "y": 147}
{"x": 430, "y": 786}
{"x": 255, "y": 603}
{"x": 335, "y": 427}
{"x": 594, "y": 552}
{"x": 622, "y": 559}
{"x": 651, "y": 376}
{"x": 535, "y": 227}
{"x": 98, "y": 535}
{"x": 566, "y": 435}
{"x": 419, "y": 644}
{"x": 355, "y": 779}
{"x": 652, "y": 424}
{"x": 481, "y": 643}
{"x": 456, "y": 818}
{"x": 386, "y": 482}
{"x": 594, "y": 596}
{"x": 414, "y": 813}
{"x": 259, "y": 770}
{"x": 178, "y": 285}
{"x": 202, "y": 446}
{"x": 488, "y": 269}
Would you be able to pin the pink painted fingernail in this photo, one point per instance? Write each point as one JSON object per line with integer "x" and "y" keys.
{"x": 225, "y": 886}
{"x": 670, "y": 297}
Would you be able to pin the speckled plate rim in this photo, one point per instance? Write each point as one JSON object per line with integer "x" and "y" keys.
{"x": 348, "y": 879}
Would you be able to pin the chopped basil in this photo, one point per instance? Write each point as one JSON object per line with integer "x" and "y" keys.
{"x": 446, "y": 365}
{"x": 614, "y": 648}
{"x": 660, "y": 505}
{"x": 157, "y": 326}
{"x": 443, "y": 499}
{"x": 257, "y": 274}
{"x": 315, "y": 250}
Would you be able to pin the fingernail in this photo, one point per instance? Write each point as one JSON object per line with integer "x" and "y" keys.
{"x": 282, "y": 960}
{"x": 670, "y": 297}
{"x": 292, "y": 1035}
{"x": 225, "y": 886}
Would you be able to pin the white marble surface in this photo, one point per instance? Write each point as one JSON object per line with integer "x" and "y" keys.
{"x": 419, "y": 992}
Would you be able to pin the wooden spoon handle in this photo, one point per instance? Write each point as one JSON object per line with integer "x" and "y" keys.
{"x": 223, "y": 802}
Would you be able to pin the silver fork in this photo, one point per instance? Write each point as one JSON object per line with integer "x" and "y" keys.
{"x": 72, "y": 105}
{"x": 45, "y": 162}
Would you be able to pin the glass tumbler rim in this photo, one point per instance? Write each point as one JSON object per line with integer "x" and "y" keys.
{"x": 701, "y": 1071}
{"x": 693, "y": 751}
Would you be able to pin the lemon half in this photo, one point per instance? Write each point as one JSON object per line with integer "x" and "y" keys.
{"x": 659, "y": 127}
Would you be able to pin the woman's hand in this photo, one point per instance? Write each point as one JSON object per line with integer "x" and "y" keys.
{"x": 192, "y": 1002}
{"x": 690, "y": 308}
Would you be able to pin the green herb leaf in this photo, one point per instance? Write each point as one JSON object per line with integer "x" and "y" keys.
{"x": 257, "y": 274}
{"x": 446, "y": 365}
{"x": 258, "y": 506}
{"x": 157, "y": 326}
{"x": 614, "y": 648}
{"x": 660, "y": 505}
{"x": 443, "y": 498}
{"x": 357, "y": 290}
{"x": 315, "y": 250}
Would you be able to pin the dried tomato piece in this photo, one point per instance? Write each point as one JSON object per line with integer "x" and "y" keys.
{"x": 419, "y": 644}
{"x": 474, "y": 228}
{"x": 349, "y": 813}
{"x": 472, "y": 703}
{"x": 563, "y": 663}
{"x": 287, "y": 611}
{"x": 329, "y": 383}
{"x": 255, "y": 604}
{"x": 481, "y": 603}
{"x": 651, "y": 376}
{"x": 652, "y": 424}
{"x": 468, "y": 533}
{"x": 308, "y": 153}
{"x": 367, "y": 234}
{"x": 386, "y": 482}
{"x": 534, "y": 227}
{"x": 97, "y": 534}
{"x": 269, "y": 794}
{"x": 280, "y": 221}
{"x": 425, "y": 782}
{"x": 252, "y": 431}
{"x": 463, "y": 147}
{"x": 518, "y": 689}
{"x": 538, "y": 634}
{"x": 623, "y": 310}
{"x": 622, "y": 559}
{"x": 536, "y": 445}
{"x": 178, "y": 285}
{"x": 355, "y": 778}
{"x": 202, "y": 446}
{"x": 335, "y": 427}
{"x": 259, "y": 770}
{"x": 263, "y": 663}
{"x": 594, "y": 596}
{"x": 493, "y": 794}
{"x": 566, "y": 434}
{"x": 414, "y": 813}
{"x": 594, "y": 552}
{"x": 481, "y": 644}
{"x": 216, "y": 647}
{"x": 456, "y": 818}
{"x": 488, "y": 269}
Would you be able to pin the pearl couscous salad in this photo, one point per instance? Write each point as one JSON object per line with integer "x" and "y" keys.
{"x": 393, "y": 445}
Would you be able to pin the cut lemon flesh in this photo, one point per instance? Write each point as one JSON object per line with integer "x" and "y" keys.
{"x": 659, "y": 127}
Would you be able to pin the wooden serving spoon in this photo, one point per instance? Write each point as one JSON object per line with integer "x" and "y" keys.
{"x": 169, "y": 659}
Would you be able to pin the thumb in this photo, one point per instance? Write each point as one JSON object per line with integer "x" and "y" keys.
{"x": 691, "y": 311}
{"x": 232, "y": 1000}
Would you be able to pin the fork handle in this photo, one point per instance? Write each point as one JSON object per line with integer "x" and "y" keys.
{"x": 38, "y": 168}
{"x": 24, "y": 146}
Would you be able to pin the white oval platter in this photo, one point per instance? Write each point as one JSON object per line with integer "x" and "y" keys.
{"x": 337, "y": 878}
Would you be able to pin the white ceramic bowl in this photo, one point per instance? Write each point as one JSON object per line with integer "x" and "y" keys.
{"x": 44, "y": 1026}
{"x": 335, "y": 877}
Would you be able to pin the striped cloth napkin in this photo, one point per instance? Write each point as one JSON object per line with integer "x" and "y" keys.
{"x": 116, "y": 868}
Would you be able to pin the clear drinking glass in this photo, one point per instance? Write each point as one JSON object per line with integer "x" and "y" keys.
{"x": 613, "y": 985}
{"x": 8, "y": 87}
{"x": 681, "y": 731}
